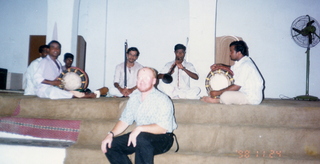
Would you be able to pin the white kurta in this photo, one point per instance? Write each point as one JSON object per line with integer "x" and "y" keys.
{"x": 180, "y": 85}
{"x": 49, "y": 70}
{"x": 28, "y": 81}
{"x": 132, "y": 74}
{"x": 248, "y": 77}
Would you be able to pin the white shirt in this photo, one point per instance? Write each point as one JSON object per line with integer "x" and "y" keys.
{"x": 181, "y": 80}
{"x": 156, "y": 108}
{"x": 132, "y": 74}
{"x": 248, "y": 77}
{"x": 29, "y": 84}
{"x": 47, "y": 69}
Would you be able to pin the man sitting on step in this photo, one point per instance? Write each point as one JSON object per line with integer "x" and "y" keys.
{"x": 46, "y": 75}
{"x": 153, "y": 113}
{"x": 248, "y": 82}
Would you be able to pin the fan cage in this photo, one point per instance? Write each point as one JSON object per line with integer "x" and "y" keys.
{"x": 300, "y": 23}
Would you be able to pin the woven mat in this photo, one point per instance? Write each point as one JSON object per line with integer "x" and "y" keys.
{"x": 43, "y": 128}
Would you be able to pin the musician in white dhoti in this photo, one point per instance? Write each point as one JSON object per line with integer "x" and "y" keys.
{"x": 28, "y": 78}
{"x": 46, "y": 77}
{"x": 119, "y": 89}
{"x": 181, "y": 72}
{"x": 248, "y": 83}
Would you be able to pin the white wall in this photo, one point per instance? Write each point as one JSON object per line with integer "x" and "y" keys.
{"x": 155, "y": 27}
{"x": 265, "y": 26}
{"x": 19, "y": 19}
{"x": 92, "y": 26}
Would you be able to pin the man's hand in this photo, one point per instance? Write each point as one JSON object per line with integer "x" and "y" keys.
{"x": 55, "y": 82}
{"x": 125, "y": 92}
{"x": 221, "y": 66}
{"x": 180, "y": 66}
{"x": 133, "y": 136}
{"x": 105, "y": 142}
{"x": 214, "y": 94}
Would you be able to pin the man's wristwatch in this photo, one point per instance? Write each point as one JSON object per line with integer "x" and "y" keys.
{"x": 111, "y": 133}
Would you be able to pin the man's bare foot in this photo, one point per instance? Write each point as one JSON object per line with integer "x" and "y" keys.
{"x": 89, "y": 95}
{"x": 78, "y": 94}
{"x": 210, "y": 100}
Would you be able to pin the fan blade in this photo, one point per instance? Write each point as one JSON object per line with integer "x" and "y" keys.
{"x": 310, "y": 23}
{"x": 316, "y": 35}
{"x": 295, "y": 35}
{"x": 296, "y": 30}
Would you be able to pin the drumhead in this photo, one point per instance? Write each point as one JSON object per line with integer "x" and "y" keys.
{"x": 73, "y": 78}
{"x": 218, "y": 79}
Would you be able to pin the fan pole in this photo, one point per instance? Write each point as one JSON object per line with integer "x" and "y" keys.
{"x": 308, "y": 70}
{"x": 307, "y": 97}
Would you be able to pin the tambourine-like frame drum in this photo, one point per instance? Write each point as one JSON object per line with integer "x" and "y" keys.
{"x": 217, "y": 80}
{"x": 73, "y": 79}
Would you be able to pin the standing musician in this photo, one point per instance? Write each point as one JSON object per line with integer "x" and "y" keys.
{"x": 180, "y": 71}
{"x": 248, "y": 82}
{"x": 119, "y": 89}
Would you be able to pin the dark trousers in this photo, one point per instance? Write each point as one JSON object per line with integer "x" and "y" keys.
{"x": 147, "y": 146}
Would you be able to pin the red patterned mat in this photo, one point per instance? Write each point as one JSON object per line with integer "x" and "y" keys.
{"x": 43, "y": 128}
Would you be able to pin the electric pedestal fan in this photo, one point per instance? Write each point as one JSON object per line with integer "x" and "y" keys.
{"x": 305, "y": 32}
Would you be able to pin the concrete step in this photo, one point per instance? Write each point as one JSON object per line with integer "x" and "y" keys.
{"x": 93, "y": 154}
{"x": 218, "y": 138}
{"x": 72, "y": 109}
{"x": 271, "y": 112}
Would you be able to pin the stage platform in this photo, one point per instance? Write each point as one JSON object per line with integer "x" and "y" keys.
{"x": 276, "y": 131}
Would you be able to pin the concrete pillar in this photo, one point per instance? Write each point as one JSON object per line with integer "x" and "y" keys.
{"x": 62, "y": 25}
{"x": 202, "y": 38}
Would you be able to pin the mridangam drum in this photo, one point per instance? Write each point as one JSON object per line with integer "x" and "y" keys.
{"x": 218, "y": 79}
{"x": 73, "y": 79}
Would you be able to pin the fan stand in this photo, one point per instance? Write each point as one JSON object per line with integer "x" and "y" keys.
{"x": 307, "y": 97}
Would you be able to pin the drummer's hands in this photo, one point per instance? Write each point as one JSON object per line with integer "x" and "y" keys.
{"x": 214, "y": 94}
{"x": 216, "y": 66}
{"x": 56, "y": 82}
{"x": 221, "y": 66}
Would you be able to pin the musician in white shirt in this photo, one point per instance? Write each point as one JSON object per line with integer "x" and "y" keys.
{"x": 119, "y": 89}
{"x": 181, "y": 72}
{"x": 248, "y": 83}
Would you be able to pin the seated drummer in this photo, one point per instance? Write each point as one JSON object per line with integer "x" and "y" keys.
{"x": 46, "y": 77}
{"x": 248, "y": 82}
{"x": 181, "y": 72}
{"x": 133, "y": 67}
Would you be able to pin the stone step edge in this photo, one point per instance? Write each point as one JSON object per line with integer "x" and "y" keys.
{"x": 234, "y": 155}
{"x": 36, "y": 142}
{"x": 114, "y": 121}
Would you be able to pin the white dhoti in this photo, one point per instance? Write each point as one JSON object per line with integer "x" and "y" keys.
{"x": 176, "y": 93}
{"x": 51, "y": 92}
{"x": 233, "y": 97}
